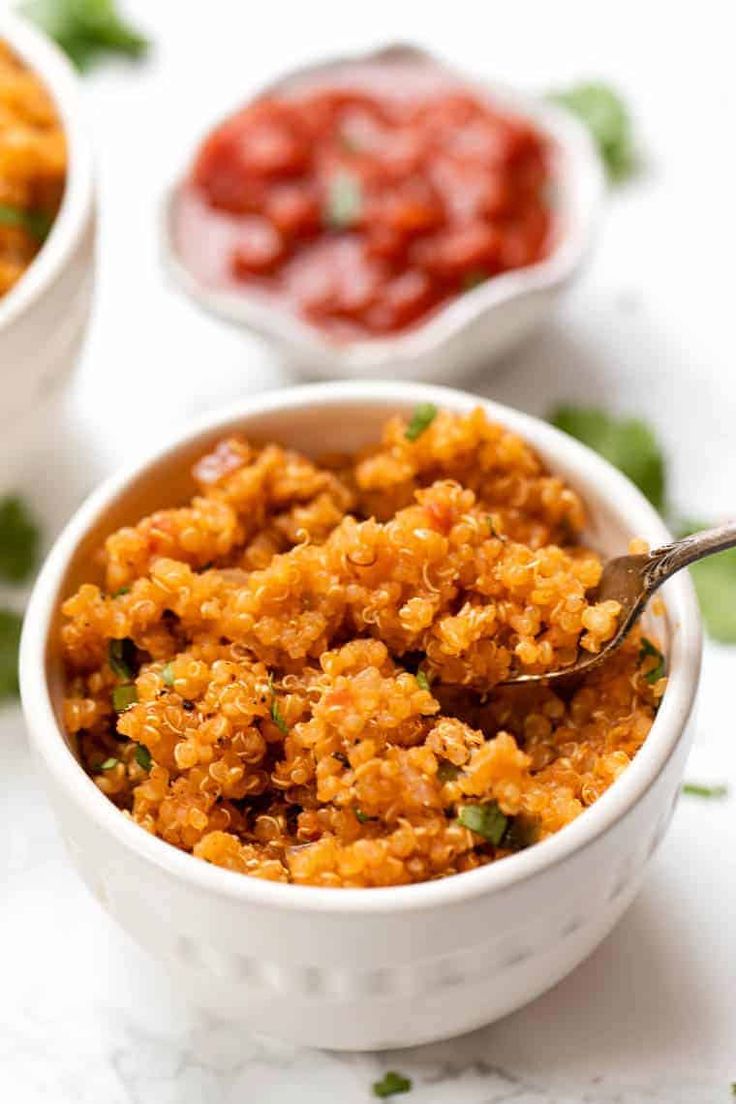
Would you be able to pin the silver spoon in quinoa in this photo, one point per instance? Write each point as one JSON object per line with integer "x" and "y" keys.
{"x": 631, "y": 581}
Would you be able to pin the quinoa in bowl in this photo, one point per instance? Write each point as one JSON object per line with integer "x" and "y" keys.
{"x": 33, "y": 165}
{"x": 298, "y": 674}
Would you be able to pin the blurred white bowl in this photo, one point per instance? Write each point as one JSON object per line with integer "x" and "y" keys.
{"x": 44, "y": 316}
{"x": 363, "y": 968}
{"x": 472, "y": 329}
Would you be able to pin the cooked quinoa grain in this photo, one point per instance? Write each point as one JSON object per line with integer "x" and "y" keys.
{"x": 32, "y": 166}
{"x": 296, "y": 675}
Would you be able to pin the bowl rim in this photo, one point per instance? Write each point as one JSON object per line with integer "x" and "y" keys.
{"x": 53, "y": 68}
{"x": 584, "y": 183}
{"x": 664, "y": 737}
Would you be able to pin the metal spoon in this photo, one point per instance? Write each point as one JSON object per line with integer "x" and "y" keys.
{"x": 631, "y": 581}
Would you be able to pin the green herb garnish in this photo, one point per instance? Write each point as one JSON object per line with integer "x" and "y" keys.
{"x": 695, "y": 789}
{"x": 121, "y": 591}
{"x": 344, "y": 201}
{"x": 122, "y": 655}
{"x": 86, "y": 29}
{"x": 486, "y": 820}
{"x": 423, "y": 680}
{"x": 605, "y": 115}
{"x": 423, "y": 416}
{"x": 124, "y": 696}
{"x": 35, "y": 223}
{"x": 363, "y": 817}
{"x": 391, "y": 1084}
{"x": 19, "y": 538}
{"x": 649, "y": 649}
{"x": 10, "y": 626}
{"x": 276, "y": 715}
{"x": 167, "y": 674}
{"x": 109, "y": 763}
{"x": 143, "y": 757}
{"x": 627, "y": 443}
{"x": 447, "y": 771}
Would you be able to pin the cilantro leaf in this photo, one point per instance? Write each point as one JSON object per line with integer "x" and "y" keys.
{"x": 18, "y": 541}
{"x": 447, "y": 771}
{"x": 344, "y": 201}
{"x": 36, "y": 223}
{"x": 86, "y": 29}
{"x": 124, "y": 696}
{"x": 275, "y": 712}
{"x": 422, "y": 418}
{"x": 648, "y": 650}
{"x": 391, "y": 1083}
{"x": 10, "y": 626}
{"x": 486, "y": 820}
{"x": 695, "y": 789}
{"x": 122, "y": 656}
{"x": 143, "y": 757}
{"x": 605, "y": 115}
{"x": 423, "y": 680}
{"x": 627, "y": 443}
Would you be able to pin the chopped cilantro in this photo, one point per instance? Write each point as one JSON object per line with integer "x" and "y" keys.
{"x": 143, "y": 757}
{"x": 447, "y": 771}
{"x": 167, "y": 674}
{"x": 122, "y": 655}
{"x": 423, "y": 416}
{"x": 344, "y": 201}
{"x": 124, "y": 696}
{"x": 86, "y": 29}
{"x": 18, "y": 540}
{"x": 646, "y": 650}
{"x": 695, "y": 789}
{"x": 627, "y": 443}
{"x": 391, "y": 1084}
{"x": 10, "y": 626}
{"x": 109, "y": 763}
{"x": 276, "y": 715}
{"x": 121, "y": 591}
{"x": 423, "y": 679}
{"x": 486, "y": 820}
{"x": 35, "y": 223}
{"x": 605, "y": 115}
{"x": 363, "y": 817}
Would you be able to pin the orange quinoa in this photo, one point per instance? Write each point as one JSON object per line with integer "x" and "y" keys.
{"x": 295, "y": 675}
{"x": 32, "y": 166}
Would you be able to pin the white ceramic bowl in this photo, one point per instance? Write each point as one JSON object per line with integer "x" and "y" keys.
{"x": 473, "y": 329}
{"x": 364, "y": 968}
{"x": 44, "y": 316}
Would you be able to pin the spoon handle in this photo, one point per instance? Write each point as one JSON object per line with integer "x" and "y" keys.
{"x": 665, "y": 561}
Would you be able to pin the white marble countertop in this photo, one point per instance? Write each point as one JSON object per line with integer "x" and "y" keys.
{"x": 85, "y": 1017}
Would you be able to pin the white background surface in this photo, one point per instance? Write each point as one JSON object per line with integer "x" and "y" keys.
{"x": 84, "y": 1016}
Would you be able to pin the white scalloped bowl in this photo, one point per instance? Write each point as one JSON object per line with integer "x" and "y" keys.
{"x": 362, "y": 968}
{"x": 43, "y": 318}
{"x": 474, "y": 328}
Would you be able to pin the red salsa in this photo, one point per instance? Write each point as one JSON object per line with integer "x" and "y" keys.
{"x": 365, "y": 210}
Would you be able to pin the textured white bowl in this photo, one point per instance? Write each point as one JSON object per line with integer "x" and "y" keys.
{"x": 43, "y": 318}
{"x": 474, "y": 328}
{"x": 367, "y": 968}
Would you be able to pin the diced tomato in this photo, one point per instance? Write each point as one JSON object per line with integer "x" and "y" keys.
{"x": 259, "y": 247}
